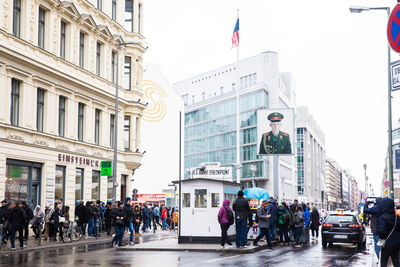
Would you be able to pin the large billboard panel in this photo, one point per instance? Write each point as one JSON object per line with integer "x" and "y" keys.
{"x": 275, "y": 132}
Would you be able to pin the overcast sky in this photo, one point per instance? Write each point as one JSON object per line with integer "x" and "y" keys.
{"x": 338, "y": 59}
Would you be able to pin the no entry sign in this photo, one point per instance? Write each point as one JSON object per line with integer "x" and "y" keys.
{"x": 393, "y": 29}
{"x": 386, "y": 183}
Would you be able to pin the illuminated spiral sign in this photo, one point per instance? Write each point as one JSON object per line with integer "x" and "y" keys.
{"x": 155, "y": 95}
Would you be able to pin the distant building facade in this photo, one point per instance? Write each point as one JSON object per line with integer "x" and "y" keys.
{"x": 333, "y": 184}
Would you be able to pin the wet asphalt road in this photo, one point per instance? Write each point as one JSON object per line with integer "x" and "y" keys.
{"x": 103, "y": 255}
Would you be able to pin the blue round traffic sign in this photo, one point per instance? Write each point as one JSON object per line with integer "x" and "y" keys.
{"x": 393, "y": 29}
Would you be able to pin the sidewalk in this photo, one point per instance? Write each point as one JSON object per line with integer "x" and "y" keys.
{"x": 32, "y": 244}
{"x": 172, "y": 245}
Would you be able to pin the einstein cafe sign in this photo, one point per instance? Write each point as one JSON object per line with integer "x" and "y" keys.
{"x": 213, "y": 170}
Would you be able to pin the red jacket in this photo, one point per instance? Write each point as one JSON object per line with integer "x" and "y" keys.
{"x": 164, "y": 214}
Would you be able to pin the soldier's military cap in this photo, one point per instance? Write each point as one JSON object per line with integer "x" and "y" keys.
{"x": 274, "y": 117}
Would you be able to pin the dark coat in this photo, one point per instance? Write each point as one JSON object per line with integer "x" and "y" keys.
{"x": 273, "y": 210}
{"x": 80, "y": 212}
{"x": 241, "y": 208}
{"x": 117, "y": 214}
{"x": 28, "y": 213}
{"x": 386, "y": 223}
{"x": 137, "y": 215}
{"x": 107, "y": 215}
{"x": 314, "y": 220}
{"x": 375, "y": 211}
{"x": 128, "y": 213}
{"x": 16, "y": 218}
{"x": 55, "y": 217}
{"x": 3, "y": 213}
{"x": 89, "y": 214}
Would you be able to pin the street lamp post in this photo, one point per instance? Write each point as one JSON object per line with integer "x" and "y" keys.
{"x": 115, "y": 160}
{"x": 360, "y": 9}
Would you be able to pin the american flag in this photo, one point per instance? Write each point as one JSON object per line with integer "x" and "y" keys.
{"x": 235, "y": 36}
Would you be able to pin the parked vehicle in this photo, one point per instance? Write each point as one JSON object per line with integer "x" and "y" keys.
{"x": 343, "y": 228}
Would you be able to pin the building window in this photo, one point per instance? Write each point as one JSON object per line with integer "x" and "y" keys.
{"x": 215, "y": 200}
{"x": 200, "y": 198}
{"x": 59, "y": 183}
{"x": 114, "y": 10}
{"x": 139, "y": 16}
{"x": 112, "y": 130}
{"x": 17, "y": 18}
{"x": 42, "y": 19}
{"x": 81, "y": 49}
{"x": 15, "y": 90}
{"x": 98, "y": 58}
{"x": 95, "y": 185}
{"x": 62, "y": 39}
{"x": 113, "y": 66}
{"x": 99, "y": 4}
{"x": 127, "y": 128}
{"x": 186, "y": 200}
{"x": 81, "y": 108}
{"x": 61, "y": 116}
{"x": 79, "y": 184}
{"x": 97, "y": 126}
{"x": 110, "y": 188}
{"x": 127, "y": 74}
{"x": 129, "y": 15}
{"x": 39, "y": 109}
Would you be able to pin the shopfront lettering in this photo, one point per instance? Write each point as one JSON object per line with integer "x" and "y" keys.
{"x": 78, "y": 160}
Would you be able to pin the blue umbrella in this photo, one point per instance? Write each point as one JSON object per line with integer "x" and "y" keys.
{"x": 256, "y": 193}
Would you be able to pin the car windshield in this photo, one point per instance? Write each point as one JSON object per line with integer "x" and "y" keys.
{"x": 334, "y": 218}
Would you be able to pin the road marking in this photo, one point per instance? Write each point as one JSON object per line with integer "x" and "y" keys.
{"x": 217, "y": 259}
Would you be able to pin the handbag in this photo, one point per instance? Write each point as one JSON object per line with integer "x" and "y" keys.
{"x": 382, "y": 242}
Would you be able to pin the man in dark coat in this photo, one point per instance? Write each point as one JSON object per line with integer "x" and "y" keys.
{"x": 273, "y": 211}
{"x": 314, "y": 218}
{"x": 375, "y": 212}
{"x": 242, "y": 209}
{"x": 388, "y": 228}
{"x": 29, "y": 216}
{"x": 16, "y": 220}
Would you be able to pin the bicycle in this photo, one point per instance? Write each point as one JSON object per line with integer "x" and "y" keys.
{"x": 72, "y": 232}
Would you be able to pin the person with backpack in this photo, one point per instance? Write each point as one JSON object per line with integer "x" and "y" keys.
{"x": 283, "y": 223}
{"x": 225, "y": 219}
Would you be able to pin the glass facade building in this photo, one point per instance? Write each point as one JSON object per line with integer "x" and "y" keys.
{"x": 300, "y": 161}
{"x": 210, "y": 134}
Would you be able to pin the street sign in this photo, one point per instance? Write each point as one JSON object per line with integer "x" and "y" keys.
{"x": 395, "y": 75}
{"x": 106, "y": 168}
{"x": 386, "y": 183}
{"x": 386, "y": 192}
{"x": 393, "y": 29}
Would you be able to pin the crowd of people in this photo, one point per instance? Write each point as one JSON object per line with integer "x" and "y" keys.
{"x": 92, "y": 217}
{"x": 282, "y": 222}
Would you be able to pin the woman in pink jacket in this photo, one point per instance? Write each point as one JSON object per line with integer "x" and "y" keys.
{"x": 223, "y": 218}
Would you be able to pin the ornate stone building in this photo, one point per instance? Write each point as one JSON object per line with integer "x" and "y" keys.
{"x": 57, "y": 79}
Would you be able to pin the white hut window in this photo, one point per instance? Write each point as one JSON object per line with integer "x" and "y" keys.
{"x": 200, "y": 198}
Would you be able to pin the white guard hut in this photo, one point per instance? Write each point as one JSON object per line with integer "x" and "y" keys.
{"x": 202, "y": 197}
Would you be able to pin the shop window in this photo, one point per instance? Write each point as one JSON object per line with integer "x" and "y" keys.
{"x": 215, "y": 200}
{"x": 110, "y": 187}
{"x": 17, "y": 183}
{"x": 60, "y": 182}
{"x": 200, "y": 198}
{"x": 186, "y": 200}
{"x": 79, "y": 184}
{"x": 123, "y": 186}
{"x": 95, "y": 185}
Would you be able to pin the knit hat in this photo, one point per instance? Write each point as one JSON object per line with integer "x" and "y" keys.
{"x": 127, "y": 199}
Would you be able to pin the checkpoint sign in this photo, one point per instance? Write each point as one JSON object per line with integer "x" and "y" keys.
{"x": 386, "y": 183}
{"x": 106, "y": 168}
{"x": 393, "y": 29}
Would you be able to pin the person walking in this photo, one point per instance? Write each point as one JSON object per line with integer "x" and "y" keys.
{"x": 298, "y": 224}
{"x": 89, "y": 210}
{"x": 164, "y": 216}
{"x": 29, "y": 217}
{"x": 273, "y": 211}
{"x": 16, "y": 222}
{"x": 128, "y": 219}
{"x": 145, "y": 216}
{"x": 283, "y": 223}
{"x": 118, "y": 216}
{"x": 137, "y": 218}
{"x": 37, "y": 221}
{"x": 107, "y": 217}
{"x": 242, "y": 209}
{"x": 375, "y": 212}
{"x": 223, "y": 220}
{"x": 264, "y": 224}
{"x": 315, "y": 222}
{"x": 388, "y": 228}
{"x": 306, "y": 229}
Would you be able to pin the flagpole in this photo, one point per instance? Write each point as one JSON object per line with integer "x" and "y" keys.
{"x": 238, "y": 114}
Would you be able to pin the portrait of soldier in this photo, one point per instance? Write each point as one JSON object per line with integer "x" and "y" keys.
{"x": 275, "y": 141}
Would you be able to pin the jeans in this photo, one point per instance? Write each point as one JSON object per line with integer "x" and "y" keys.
{"x": 144, "y": 227}
{"x": 283, "y": 232}
{"x": 297, "y": 234}
{"x": 1, "y": 234}
{"x": 119, "y": 234}
{"x": 376, "y": 247}
{"x": 316, "y": 232}
{"x": 307, "y": 234}
{"x": 272, "y": 231}
{"x": 91, "y": 226}
{"x": 387, "y": 252}
{"x": 224, "y": 234}
{"x": 164, "y": 223}
{"x": 264, "y": 231}
{"x": 241, "y": 233}
{"x": 21, "y": 237}
{"x": 137, "y": 226}
{"x": 130, "y": 227}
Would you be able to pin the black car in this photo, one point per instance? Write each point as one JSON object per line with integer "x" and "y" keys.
{"x": 343, "y": 228}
